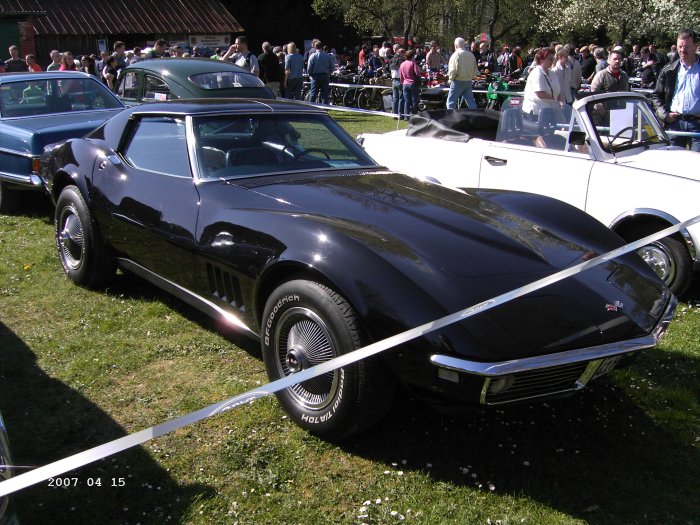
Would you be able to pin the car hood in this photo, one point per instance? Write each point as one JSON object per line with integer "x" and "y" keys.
{"x": 32, "y": 135}
{"x": 670, "y": 160}
{"x": 454, "y": 249}
{"x": 403, "y": 218}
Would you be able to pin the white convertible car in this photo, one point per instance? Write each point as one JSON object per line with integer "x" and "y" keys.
{"x": 610, "y": 158}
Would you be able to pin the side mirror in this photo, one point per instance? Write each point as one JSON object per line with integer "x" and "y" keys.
{"x": 577, "y": 138}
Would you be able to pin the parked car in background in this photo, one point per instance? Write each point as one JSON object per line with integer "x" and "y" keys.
{"x": 267, "y": 216}
{"x": 7, "y": 516}
{"x": 163, "y": 79}
{"x": 611, "y": 158}
{"x": 37, "y": 109}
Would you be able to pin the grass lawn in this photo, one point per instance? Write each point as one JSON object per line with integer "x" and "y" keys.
{"x": 81, "y": 367}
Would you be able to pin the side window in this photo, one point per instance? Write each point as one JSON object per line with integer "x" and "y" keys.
{"x": 128, "y": 85}
{"x": 159, "y": 144}
{"x": 156, "y": 89}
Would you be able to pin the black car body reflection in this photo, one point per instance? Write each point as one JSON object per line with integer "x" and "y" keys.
{"x": 270, "y": 217}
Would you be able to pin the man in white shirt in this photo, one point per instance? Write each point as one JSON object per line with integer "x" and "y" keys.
{"x": 461, "y": 70}
{"x": 240, "y": 55}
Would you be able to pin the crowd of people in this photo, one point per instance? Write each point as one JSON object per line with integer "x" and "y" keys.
{"x": 554, "y": 73}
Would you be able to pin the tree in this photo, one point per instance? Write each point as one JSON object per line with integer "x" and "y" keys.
{"x": 386, "y": 17}
{"x": 624, "y": 20}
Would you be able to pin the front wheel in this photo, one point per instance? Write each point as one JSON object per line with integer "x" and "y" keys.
{"x": 304, "y": 324}
{"x": 669, "y": 259}
{"x": 83, "y": 255}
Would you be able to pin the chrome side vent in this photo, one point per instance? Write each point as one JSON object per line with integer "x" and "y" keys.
{"x": 224, "y": 286}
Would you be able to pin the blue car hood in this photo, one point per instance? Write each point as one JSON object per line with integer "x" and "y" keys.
{"x": 31, "y": 135}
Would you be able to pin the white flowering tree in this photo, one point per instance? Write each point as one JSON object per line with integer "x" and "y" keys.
{"x": 624, "y": 20}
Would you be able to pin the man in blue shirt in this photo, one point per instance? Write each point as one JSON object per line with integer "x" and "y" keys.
{"x": 677, "y": 93}
{"x": 320, "y": 69}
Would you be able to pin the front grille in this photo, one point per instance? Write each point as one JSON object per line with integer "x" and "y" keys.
{"x": 537, "y": 383}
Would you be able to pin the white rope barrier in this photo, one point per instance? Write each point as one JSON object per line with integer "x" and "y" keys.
{"x": 118, "y": 445}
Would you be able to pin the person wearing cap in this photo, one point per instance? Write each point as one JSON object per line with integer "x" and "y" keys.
{"x": 676, "y": 96}
{"x": 612, "y": 78}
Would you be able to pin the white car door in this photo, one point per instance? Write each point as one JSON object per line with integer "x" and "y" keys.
{"x": 558, "y": 174}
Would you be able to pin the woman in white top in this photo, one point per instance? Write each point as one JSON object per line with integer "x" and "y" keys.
{"x": 542, "y": 88}
{"x": 563, "y": 71}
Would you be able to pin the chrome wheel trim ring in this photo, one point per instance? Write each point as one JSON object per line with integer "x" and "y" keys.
{"x": 661, "y": 261}
{"x": 302, "y": 340}
{"x": 70, "y": 238}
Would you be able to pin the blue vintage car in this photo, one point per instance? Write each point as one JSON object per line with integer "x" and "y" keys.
{"x": 38, "y": 109}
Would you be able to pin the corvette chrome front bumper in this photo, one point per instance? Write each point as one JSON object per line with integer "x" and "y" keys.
{"x": 551, "y": 374}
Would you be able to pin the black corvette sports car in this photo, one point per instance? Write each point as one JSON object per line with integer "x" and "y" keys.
{"x": 268, "y": 216}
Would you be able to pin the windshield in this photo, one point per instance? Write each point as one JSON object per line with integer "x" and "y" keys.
{"x": 624, "y": 123}
{"x": 49, "y": 96}
{"x": 239, "y": 146}
{"x": 226, "y": 80}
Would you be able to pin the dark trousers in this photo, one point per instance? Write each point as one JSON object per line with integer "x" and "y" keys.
{"x": 320, "y": 85}
{"x": 293, "y": 89}
{"x": 410, "y": 97}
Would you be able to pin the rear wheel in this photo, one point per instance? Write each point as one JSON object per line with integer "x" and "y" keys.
{"x": 305, "y": 324}
{"x": 83, "y": 255}
{"x": 669, "y": 259}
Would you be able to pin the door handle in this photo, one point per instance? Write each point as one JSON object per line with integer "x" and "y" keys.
{"x": 495, "y": 161}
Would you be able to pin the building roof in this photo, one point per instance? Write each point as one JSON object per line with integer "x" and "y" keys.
{"x": 20, "y": 7}
{"x": 87, "y": 17}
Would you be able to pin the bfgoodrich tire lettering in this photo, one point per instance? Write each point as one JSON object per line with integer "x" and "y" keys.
{"x": 304, "y": 324}
{"x": 83, "y": 255}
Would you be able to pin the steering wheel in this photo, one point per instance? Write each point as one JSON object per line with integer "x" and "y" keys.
{"x": 617, "y": 135}
{"x": 312, "y": 150}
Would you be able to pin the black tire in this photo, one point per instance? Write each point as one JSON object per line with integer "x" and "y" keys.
{"x": 349, "y": 98}
{"x": 304, "y": 324}
{"x": 370, "y": 99}
{"x": 668, "y": 257}
{"x": 9, "y": 199}
{"x": 83, "y": 255}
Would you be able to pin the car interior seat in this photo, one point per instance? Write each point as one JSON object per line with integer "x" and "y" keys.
{"x": 511, "y": 127}
{"x": 255, "y": 156}
{"x": 213, "y": 159}
{"x": 546, "y": 126}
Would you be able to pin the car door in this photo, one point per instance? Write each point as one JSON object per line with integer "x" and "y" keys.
{"x": 129, "y": 86}
{"x": 539, "y": 160}
{"x": 151, "y": 197}
{"x": 563, "y": 176}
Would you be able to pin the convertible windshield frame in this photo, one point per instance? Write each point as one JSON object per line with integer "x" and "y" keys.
{"x": 241, "y": 146}
{"x": 612, "y": 118}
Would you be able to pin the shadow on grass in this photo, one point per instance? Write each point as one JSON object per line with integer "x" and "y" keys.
{"x": 133, "y": 287}
{"x": 48, "y": 421}
{"x": 597, "y": 456}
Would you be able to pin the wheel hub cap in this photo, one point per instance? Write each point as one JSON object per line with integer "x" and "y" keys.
{"x": 70, "y": 239}
{"x": 303, "y": 340}
{"x": 660, "y": 261}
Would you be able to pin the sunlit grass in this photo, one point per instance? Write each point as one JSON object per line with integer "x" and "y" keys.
{"x": 81, "y": 367}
